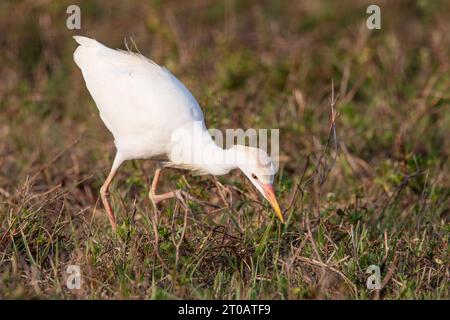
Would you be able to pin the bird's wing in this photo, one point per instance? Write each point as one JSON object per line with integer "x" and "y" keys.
{"x": 195, "y": 170}
{"x": 133, "y": 94}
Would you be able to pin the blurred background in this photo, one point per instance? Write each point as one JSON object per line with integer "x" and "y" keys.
{"x": 250, "y": 64}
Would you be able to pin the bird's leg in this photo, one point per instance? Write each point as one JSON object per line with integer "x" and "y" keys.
{"x": 104, "y": 191}
{"x": 179, "y": 194}
{"x": 156, "y": 198}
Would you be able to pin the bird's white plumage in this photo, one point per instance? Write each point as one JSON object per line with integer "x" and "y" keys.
{"x": 140, "y": 102}
{"x": 151, "y": 114}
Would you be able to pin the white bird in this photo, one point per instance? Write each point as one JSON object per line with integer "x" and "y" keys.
{"x": 152, "y": 115}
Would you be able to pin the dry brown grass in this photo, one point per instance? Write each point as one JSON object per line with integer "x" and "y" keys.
{"x": 380, "y": 196}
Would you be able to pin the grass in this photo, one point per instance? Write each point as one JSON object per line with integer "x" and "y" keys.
{"x": 381, "y": 198}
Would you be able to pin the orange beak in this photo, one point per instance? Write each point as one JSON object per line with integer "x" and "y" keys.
{"x": 270, "y": 196}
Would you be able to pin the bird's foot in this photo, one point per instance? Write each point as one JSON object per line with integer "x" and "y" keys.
{"x": 157, "y": 198}
{"x": 181, "y": 195}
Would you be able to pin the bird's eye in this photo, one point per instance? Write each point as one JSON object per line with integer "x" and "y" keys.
{"x": 254, "y": 176}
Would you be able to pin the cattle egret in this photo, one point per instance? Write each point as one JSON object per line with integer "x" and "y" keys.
{"x": 152, "y": 115}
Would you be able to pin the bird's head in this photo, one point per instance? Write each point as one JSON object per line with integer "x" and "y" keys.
{"x": 256, "y": 164}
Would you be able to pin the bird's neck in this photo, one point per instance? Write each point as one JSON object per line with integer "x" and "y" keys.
{"x": 218, "y": 161}
{"x": 193, "y": 148}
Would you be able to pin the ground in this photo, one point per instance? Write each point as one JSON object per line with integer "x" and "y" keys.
{"x": 372, "y": 189}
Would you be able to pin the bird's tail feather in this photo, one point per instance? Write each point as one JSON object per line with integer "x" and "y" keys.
{"x": 87, "y": 42}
